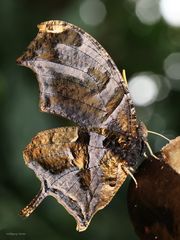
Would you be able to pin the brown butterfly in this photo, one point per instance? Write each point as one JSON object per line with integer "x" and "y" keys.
{"x": 82, "y": 167}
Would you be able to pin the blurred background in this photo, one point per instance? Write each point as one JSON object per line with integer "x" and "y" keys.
{"x": 143, "y": 37}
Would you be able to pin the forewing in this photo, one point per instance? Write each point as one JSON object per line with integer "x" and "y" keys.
{"x": 75, "y": 168}
{"x": 77, "y": 78}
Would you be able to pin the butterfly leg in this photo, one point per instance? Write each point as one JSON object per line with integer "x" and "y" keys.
{"x": 150, "y": 150}
{"x": 129, "y": 171}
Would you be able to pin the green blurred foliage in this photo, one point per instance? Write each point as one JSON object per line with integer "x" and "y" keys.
{"x": 133, "y": 46}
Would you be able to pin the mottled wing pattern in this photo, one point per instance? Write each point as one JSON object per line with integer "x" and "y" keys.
{"x": 75, "y": 168}
{"x": 78, "y": 79}
{"x": 82, "y": 167}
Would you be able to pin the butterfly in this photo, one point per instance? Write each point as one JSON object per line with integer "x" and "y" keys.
{"x": 81, "y": 166}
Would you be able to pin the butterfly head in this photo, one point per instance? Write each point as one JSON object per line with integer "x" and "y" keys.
{"x": 136, "y": 146}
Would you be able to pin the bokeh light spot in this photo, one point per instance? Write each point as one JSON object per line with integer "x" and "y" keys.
{"x": 170, "y": 10}
{"x": 148, "y": 11}
{"x": 143, "y": 89}
{"x": 92, "y": 12}
{"x": 172, "y": 66}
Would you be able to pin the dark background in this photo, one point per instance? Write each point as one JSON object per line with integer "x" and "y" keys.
{"x": 134, "y": 45}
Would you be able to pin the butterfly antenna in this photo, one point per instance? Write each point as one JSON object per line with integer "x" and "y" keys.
{"x": 25, "y": 212}
{"x": 158, "y": 134}
{"x": 124, "y": 76}
{"x": 150, "y": 150}
{"x": 129, "y": 171}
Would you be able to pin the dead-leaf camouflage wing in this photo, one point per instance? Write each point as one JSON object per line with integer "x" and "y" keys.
{"x": 77, "y": 78}
{"x": 75, "y": 168}
{"x": 82, "y": 167}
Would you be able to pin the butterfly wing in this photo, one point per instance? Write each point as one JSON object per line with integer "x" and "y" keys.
{"x": 75, "y": 168}
{"x": 77, "y": 78}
